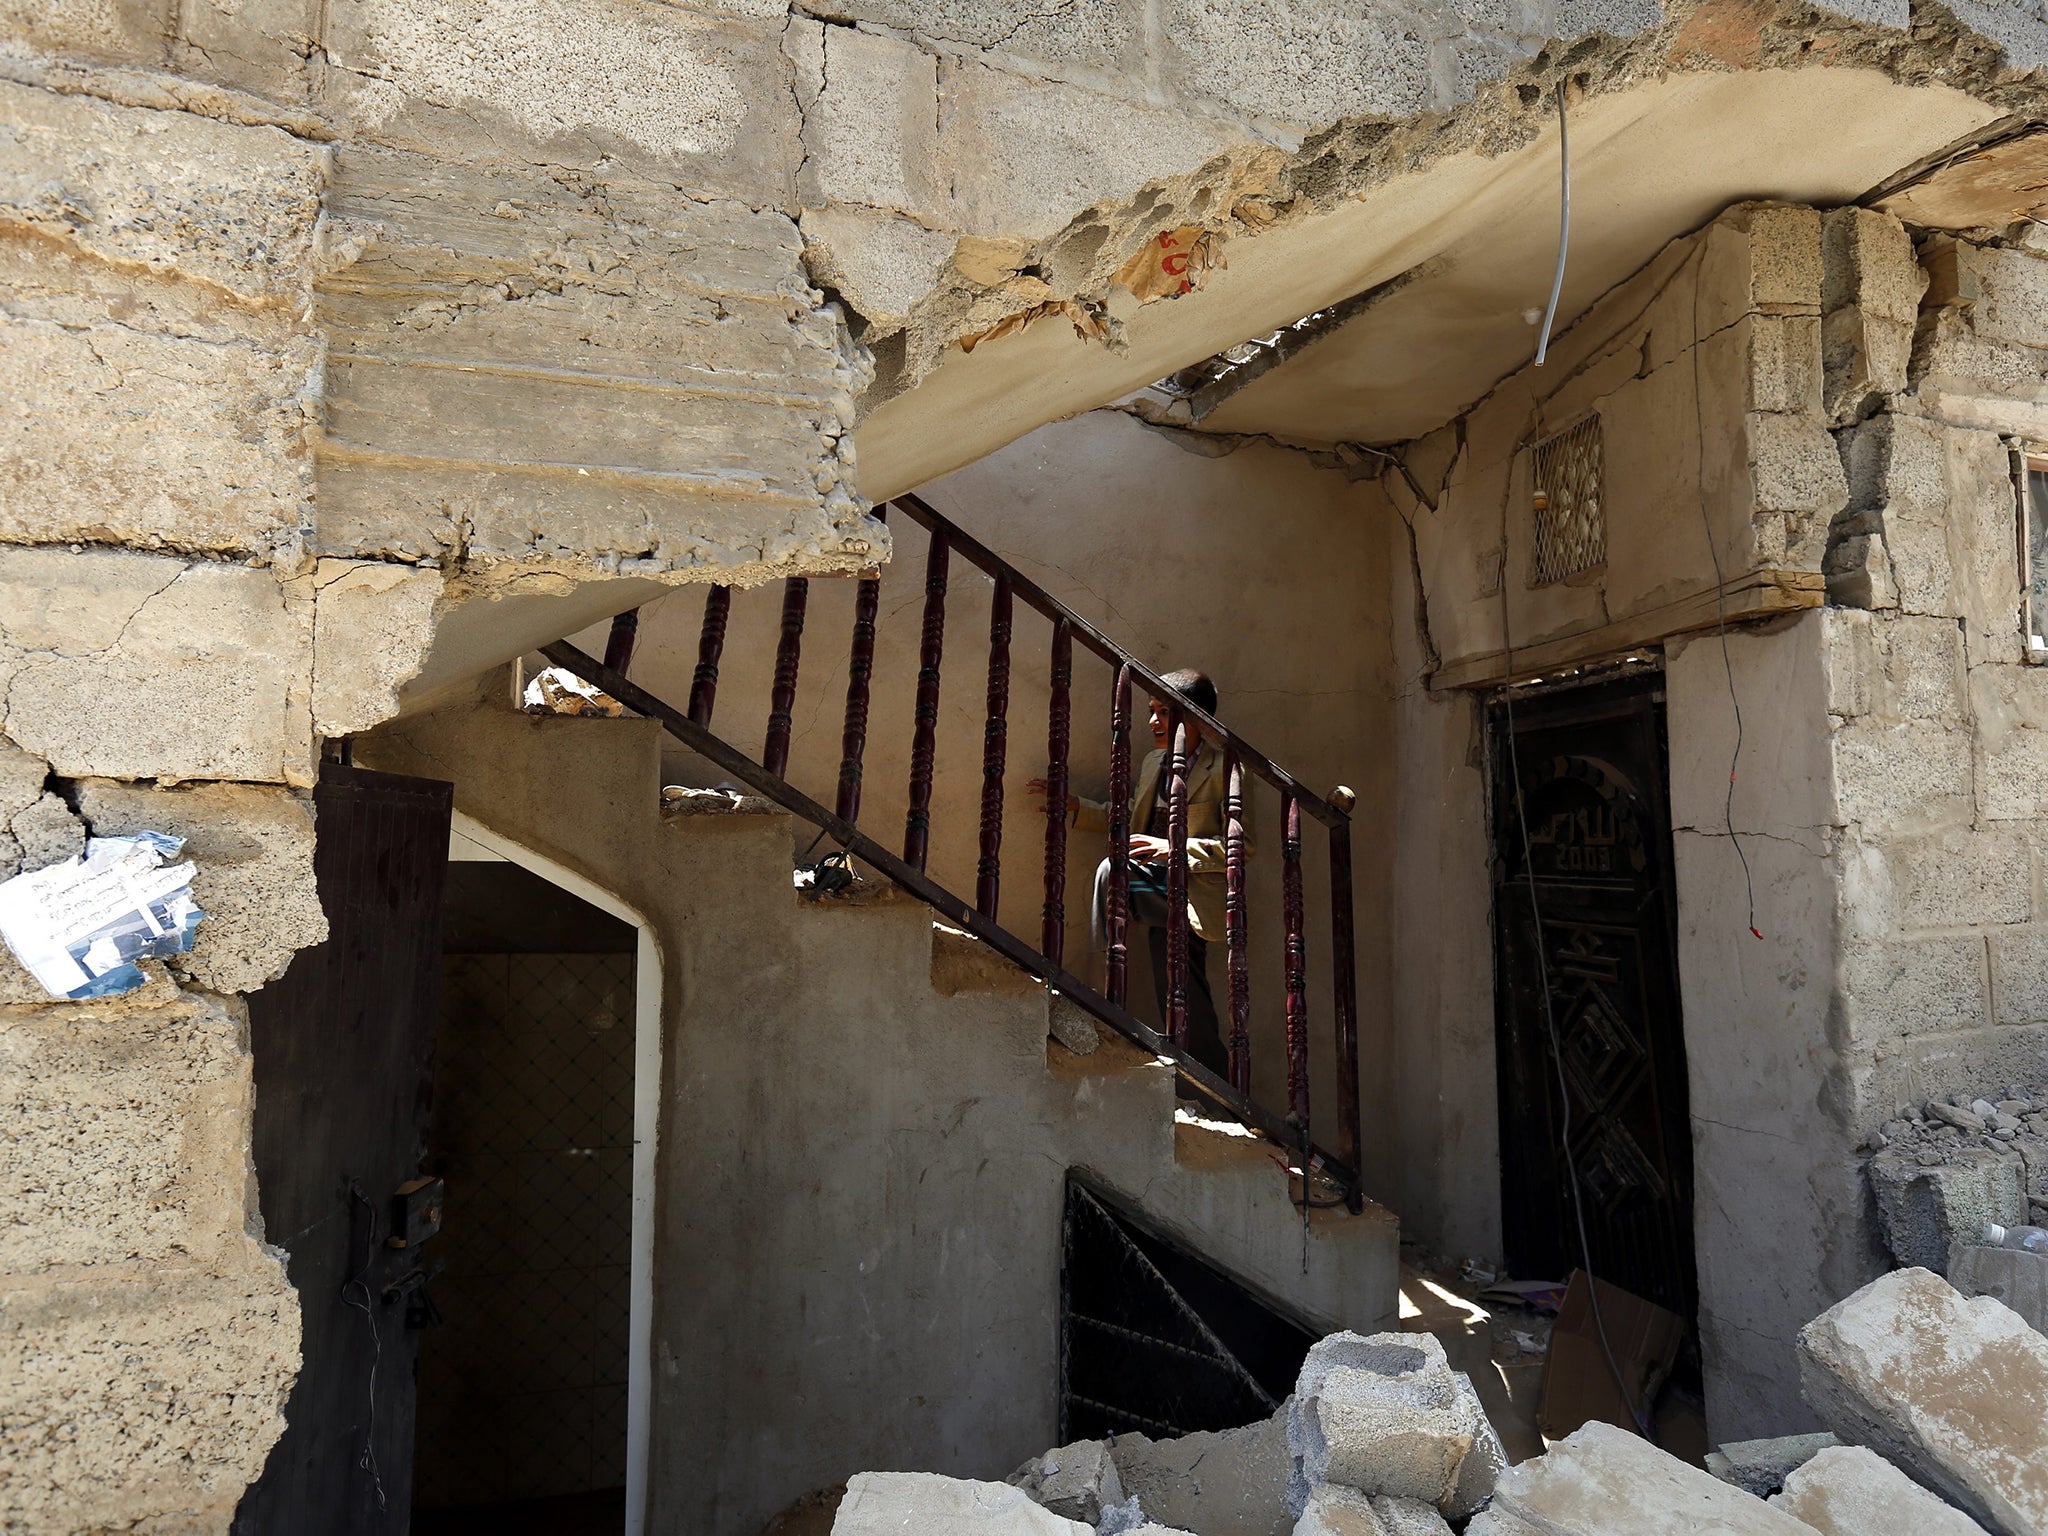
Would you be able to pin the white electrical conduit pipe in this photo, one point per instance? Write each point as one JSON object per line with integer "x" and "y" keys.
{"x": 1564, "y": 226}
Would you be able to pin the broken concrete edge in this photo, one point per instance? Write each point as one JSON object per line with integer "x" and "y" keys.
{"x": 1850, "y": 1490}
{"x": 1954, "y": 1392}
{"x": 252, "y": 845}
{"x": 1761, "y": 1466}
{"x": 1385, "y": 1415}
{"x": 1253, "y": 188}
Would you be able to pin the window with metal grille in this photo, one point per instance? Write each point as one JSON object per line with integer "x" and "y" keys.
{"x": 1571, "y": 523}
{"x": 1154, "y": 1339}
{"x": 2033, "y": 549}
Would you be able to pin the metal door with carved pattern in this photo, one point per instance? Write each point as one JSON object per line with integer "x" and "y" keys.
{"x": 1612, "y": 1087}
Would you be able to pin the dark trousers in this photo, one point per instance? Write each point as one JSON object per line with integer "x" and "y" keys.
{"x": 1148, "y": 911}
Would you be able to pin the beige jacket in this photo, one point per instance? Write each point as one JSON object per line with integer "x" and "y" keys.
{"x": 1205, "y": 830}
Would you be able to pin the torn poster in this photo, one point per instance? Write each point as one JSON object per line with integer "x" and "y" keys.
{"x": 81, "y": 925}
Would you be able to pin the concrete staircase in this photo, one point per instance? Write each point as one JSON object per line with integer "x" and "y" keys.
{"x": 865, "y": 1134}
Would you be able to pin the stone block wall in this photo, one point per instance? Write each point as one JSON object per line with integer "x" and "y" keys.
{"x": 1938, "y": 725}
{"x": 315, "y": 322}
{"x": 1706, "y": 372}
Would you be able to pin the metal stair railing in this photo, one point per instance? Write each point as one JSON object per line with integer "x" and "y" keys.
{"x": 692, "y": 727}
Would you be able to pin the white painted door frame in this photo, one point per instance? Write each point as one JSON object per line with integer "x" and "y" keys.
{"x": 484, "y": 844}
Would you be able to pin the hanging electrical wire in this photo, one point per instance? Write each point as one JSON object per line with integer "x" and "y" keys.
{"x": 1564, "y": 225}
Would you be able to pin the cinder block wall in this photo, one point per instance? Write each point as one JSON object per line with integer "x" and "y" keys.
{"x": 1939, "y": 725}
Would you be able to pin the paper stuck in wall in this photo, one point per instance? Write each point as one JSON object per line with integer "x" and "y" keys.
{"x": 81, "y": 925}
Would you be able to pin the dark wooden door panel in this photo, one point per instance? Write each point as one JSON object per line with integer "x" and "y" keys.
{"x": 1592, "y": 788}
{"x": 343, "y": 1045}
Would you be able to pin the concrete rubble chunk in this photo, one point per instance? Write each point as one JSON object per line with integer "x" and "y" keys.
{"x": 2010, "y": 1275}
{"x": 1483, "y": 1464}
{"x": 1848, "y": 1490}
{"x": 1409, "y": 1517}
{"x": 1606, "y": 1481}
{"x": 1386, "y": 1414}
{"x": 926, "y": 1504}
{"x": 1078, "y": 1481}
{"x": 1333, "y": 1510}
{"x": 1761, "y": 1466}
{"x": 1953, "y": 1391}
{"x": 1925, "y": 1210}
{"x": 1230, "y": 1482}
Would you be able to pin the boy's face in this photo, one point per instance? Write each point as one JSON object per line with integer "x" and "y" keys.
{"x": 1162, "y": 729}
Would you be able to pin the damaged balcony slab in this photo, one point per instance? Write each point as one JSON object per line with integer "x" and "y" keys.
{"x": 1662, "y": 115}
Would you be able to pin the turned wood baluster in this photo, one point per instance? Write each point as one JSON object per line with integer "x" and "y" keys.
{"x": 618, "y": 647}
{"x": 924, "y": 743}
{"x": 1059, "y": 725}
{"x": 710, "y": 646}
{"x": 796, "y": 596}
{"x": 860, "y": 671}
{"x": 1175, "y": 788}
{"x": 1297, "y": 961}
{"x": 995, "y": 750}
{"x": 1346, "y": 988}
{"x": 1116, "y": 914}
{"x": 1236, "y": 918}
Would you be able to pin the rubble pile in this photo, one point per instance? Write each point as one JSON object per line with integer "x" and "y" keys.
{"x": 1936, "y": 1406}
{"x": 1945, "y": 1170}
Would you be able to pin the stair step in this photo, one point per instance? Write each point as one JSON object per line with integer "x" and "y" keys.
{"x": 962, "y": 963}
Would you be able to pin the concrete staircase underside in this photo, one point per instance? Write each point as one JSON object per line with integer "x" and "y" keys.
{"x": 864, "y": 1144}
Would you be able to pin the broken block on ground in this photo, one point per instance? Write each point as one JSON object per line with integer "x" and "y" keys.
{"x": 1953, "y": 1391}
{"x": 1333, "y": 1510}
{"x": 1604, "y": 1481}
{"x": 926, "y": 1504}
{"x": 1849, "y": 1490}
{"x": 1409, "y": 1517}
{"x": 2010, "y": 1275}
{"x": 1386, "y": 1414}
{"x": 1227, "y": 1482}
{"x": 1078, "y": 1481}
{"x": 1761, "y": 1466}
{"x": 1927, "y": 1209}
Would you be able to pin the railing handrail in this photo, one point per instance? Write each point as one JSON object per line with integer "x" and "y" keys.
{"x": 941, "y": 900}
{"x": 980, "y": 918}
{"x": 994, "y": 565}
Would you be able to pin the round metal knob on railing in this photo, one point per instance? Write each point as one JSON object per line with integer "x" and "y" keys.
{"x": 1343, "y": 798}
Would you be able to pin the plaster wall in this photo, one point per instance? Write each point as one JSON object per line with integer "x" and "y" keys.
{"x": 864, "y": 1139}
{"x": 1441, "y": 1097}
{"x": 1252, "y": 563}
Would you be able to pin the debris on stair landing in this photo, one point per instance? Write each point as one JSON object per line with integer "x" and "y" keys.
{"x": 1936, "y": 1406}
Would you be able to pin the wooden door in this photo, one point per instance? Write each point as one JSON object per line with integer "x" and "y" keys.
{"x": 1611, "y": 1086}
{"x": 343, "y": 1045}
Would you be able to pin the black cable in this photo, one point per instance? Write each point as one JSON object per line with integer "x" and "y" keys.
{"x": 368, "y": 1460}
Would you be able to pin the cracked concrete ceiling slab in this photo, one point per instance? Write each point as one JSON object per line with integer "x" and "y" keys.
{"x": 1650, "y": 161}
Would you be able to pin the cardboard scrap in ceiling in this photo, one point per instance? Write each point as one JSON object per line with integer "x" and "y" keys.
{"x": 1172, "y": 263}
{"x": 1999, "y": 184}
